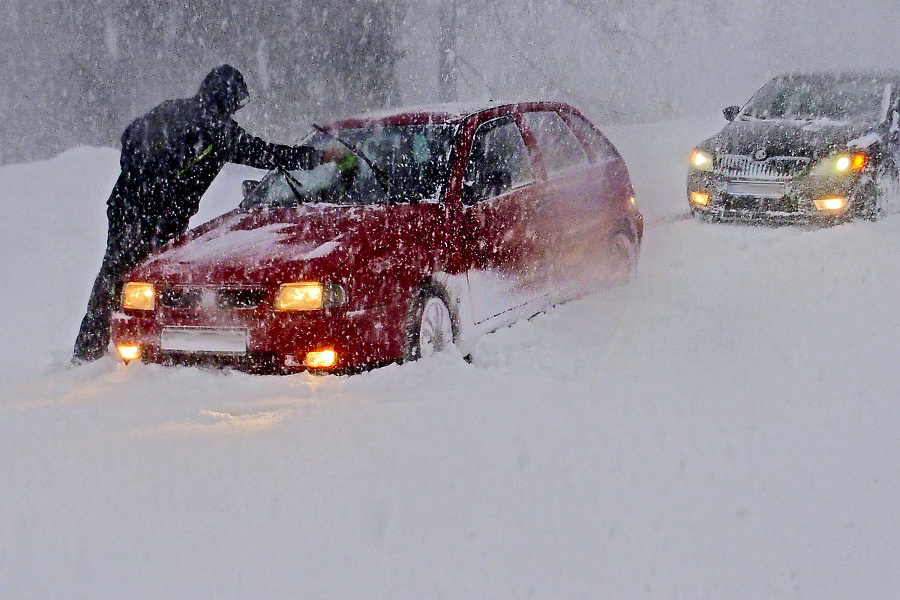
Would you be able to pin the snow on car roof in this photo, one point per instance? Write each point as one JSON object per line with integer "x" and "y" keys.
{"x": 453, "y": 112}
{"x": 848, "y": 74}
{"x": 434, "y": 113}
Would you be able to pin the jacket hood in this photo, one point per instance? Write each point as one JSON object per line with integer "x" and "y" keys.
{"x": 224, "y": 90}
{"x": 787, "y": 138}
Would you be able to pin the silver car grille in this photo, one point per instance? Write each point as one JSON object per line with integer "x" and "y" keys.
{"x": 775, "y": 167}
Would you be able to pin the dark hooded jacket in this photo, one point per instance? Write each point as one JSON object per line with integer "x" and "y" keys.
{"x": 171, "y": 155}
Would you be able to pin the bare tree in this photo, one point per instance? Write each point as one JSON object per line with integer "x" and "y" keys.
{"x": 626, "y": 59}
{"x": 81, "y": 77}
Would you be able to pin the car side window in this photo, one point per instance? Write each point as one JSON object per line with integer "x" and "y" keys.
{"x": 559, "y": 146}
{"x": 499, "y": 161}
{"x": 599, "y": 146}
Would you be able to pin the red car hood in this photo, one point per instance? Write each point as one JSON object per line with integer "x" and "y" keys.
{"x": 272, "y": 246}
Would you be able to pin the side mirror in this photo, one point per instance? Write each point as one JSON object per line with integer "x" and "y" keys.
{"x": 731, "y": 112}
{"x": 247, "y": 187}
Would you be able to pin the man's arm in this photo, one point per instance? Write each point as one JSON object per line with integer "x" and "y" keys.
{"x": 255, "y": 152}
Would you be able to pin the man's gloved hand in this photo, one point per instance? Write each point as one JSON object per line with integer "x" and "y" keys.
{"x": 334, "y": 154}
{"x": 344, "y": 160}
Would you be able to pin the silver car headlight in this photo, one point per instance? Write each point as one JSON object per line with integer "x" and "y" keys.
{"x": 701, "y": 160}
{"x": 841, "y": 164}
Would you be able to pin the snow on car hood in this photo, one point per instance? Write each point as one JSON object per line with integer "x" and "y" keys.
{"x": 261, "y": 245}
{"x": 811, "y": 139}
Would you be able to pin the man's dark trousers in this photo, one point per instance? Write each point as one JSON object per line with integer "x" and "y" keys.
{"x": 130, "y": 239}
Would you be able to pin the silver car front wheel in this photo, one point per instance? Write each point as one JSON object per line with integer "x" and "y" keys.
{"x": 430, "y": 326}
{"x": 436, "y": 328}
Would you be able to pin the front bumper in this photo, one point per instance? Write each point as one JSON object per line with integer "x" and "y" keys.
{"x": 737, "y": 198}
{"x": 277, "y": 342}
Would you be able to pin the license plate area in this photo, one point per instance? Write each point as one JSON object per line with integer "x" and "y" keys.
{"x": 209, "y": 340}
{"x": 757, "y": 189}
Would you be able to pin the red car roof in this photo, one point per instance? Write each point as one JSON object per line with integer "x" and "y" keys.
{"x": 419, "y": 115}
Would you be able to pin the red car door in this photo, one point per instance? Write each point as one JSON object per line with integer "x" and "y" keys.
{"x": 499, "y": 194}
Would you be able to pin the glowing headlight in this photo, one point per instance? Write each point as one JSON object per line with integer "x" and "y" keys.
{"x": 138, "y": 296}
{"x": 310, "y": 295}
{"x": 701, "y": 160}
{"x": 841, "y": 164}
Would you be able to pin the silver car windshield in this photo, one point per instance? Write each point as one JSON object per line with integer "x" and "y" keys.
{"x": 410, "y": 163}
{"x": 820, "y": 98}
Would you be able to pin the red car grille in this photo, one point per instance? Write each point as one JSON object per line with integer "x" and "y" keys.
{"x": 221, "y": 299}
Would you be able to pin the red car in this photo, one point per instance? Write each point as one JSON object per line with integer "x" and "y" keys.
{"x": 444, "y": 223}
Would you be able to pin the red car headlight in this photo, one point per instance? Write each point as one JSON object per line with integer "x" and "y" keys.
{"x": 309, "y": 295}
{"x": 139, "y": 296}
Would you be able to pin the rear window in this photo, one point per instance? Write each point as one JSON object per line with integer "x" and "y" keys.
{"x": 558, "y": 145}
{"x": 600, "y": 147}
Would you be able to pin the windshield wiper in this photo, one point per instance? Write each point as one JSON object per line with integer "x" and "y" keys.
{"x": 292, "y": 183}
{"x": 380, "y": 176}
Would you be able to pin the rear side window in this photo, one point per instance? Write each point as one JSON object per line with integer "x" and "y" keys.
{"x": 559, "y": 146}
{"x": 600, "y": 147}
{"x": 499, "y": 161}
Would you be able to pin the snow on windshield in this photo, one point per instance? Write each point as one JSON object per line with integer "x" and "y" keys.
{"x": 820, "y": 97}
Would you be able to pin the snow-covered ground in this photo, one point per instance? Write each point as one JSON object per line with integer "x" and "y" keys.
{"x": 725, "y": 427}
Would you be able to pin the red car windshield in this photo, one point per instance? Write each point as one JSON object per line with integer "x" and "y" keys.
{"x": 395, "y": 164}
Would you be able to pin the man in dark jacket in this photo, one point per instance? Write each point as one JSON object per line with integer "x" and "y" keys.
{"x": 170, "y": 156}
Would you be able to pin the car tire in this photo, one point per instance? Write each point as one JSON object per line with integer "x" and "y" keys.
{"x": 430, "y": 325}
{"x": 623, "y": 258}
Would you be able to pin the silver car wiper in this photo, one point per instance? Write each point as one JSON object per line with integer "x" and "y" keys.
{"x": 292, "y": 183}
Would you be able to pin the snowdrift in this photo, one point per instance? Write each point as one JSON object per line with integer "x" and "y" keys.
{"x": 725, "y": 427}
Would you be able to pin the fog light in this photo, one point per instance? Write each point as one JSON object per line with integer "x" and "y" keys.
{"x": 129, "y": 352}
{"x": 831, "y": 203}
{"x": 700, "y": 198}
{"x": 321, "y": 359}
